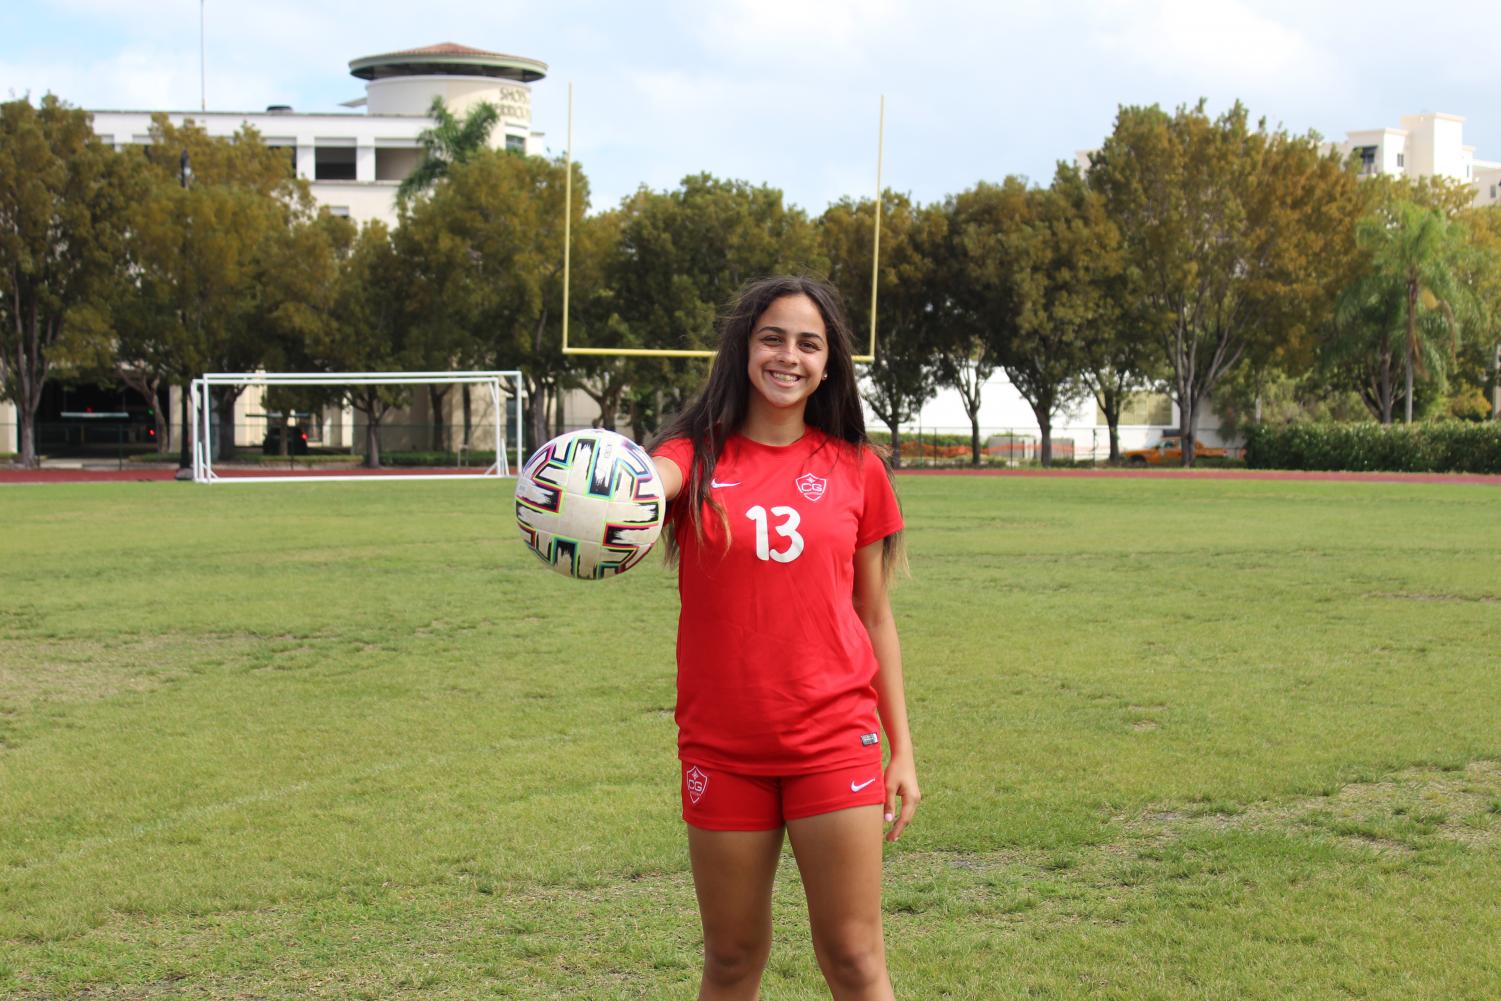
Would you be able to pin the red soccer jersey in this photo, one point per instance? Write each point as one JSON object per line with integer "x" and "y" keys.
{"x": 775, "y": 670}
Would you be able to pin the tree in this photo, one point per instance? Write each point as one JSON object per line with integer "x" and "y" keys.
{"x": 135, "y": 340}
{"x": 1037, "y": 268}
{"x": 1063, "y": 260}
{"x": 596, "y": 320}
{"x": 448, "y": 142}
{"x": 369, "y": 328}
{"x": 909, "y": 317}
{"x": 969, "y": 351}
{"x": 672, "y": 261}
{"x": 1119, "y": 350}
{"x": 442, "y": 334}
{"x": 204, "y": 241}
{"x": 1033, "y": 276}
{"x": 1411, "y": 276}
{"x": 1363, "y": 349}
{"x": 683, "y": 254}
{"x": 62, "y": 208}
{"x": 1230, "y": 229}
{"x": 1483, "y": 228}
{"x": 301, "y": 268}
{"x": 489, "y": 241}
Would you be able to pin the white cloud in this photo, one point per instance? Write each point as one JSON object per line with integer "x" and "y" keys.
{"x": 791, "y": 34}
{"x": 1213, "y": 44}
{"x": 784, "y": 91}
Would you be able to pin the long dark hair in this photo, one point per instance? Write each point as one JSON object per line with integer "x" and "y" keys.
{"x": 720, "y": 407}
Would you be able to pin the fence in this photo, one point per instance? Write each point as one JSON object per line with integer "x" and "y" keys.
{"x": 1008, "y": 447}
{"x": 1072, "y": 444}
{"x": 409, "y": 443}
{"x": 123, "y": 443}
{"x": 118, "y": 441}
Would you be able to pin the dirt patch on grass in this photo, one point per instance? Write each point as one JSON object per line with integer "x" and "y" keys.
{"x": 1479, "y": 599}
{"x": 37, "y": 671}
{"x": 33, "y": 671}
{"x": 1411, "y": 810}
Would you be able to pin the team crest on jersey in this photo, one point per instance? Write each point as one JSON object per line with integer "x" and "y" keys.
{"x": 698, "y": 782}
{"x": 811, "y": 487}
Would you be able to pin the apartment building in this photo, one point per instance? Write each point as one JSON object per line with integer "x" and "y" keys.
{"x": 1430, "y": 144}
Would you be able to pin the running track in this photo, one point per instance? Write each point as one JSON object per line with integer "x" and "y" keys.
{"x": 154, "y": 473}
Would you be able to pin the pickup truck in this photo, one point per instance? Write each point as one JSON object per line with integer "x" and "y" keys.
{"x": 1169, "y": 452}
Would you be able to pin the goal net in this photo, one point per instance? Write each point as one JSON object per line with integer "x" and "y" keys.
{"x": 267, "y": 427}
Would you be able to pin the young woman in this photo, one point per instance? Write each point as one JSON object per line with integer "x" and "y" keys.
{"x": 786, "y": 529}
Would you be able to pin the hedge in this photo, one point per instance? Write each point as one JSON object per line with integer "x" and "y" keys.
{"x": 446, "y": 459}
{"x": 1438, "y": 447}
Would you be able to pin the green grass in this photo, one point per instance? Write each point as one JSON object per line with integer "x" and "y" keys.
{"x": 1179, "y": 739}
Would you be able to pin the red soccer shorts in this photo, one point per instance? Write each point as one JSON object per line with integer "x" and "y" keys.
{"x": 716, "y": 800}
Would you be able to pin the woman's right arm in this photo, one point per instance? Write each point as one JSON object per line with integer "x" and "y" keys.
{"x": 670, "y": 475}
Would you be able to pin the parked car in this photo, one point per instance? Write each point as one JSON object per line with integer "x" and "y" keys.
{"x": 1169, "y": 452}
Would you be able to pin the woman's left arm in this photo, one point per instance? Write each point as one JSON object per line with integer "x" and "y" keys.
{"x": 874, "y": 608}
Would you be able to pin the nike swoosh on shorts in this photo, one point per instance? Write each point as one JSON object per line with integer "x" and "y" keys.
{"x": 862, "y": 785}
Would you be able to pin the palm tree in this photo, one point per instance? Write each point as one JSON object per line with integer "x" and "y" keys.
{"x": 448, "y": 142}
{"x": 1414, "y": 258}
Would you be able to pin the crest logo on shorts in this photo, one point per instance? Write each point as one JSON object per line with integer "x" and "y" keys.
{"x": 697, "y": 783}
{"x": 811, "y": 487}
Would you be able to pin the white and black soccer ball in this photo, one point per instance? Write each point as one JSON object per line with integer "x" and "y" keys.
{"x": 590, "y": 504}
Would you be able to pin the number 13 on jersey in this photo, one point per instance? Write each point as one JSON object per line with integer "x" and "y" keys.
{"x": 787, "y": 529}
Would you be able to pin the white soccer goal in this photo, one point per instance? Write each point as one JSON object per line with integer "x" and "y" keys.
{"x": 495, "y": 386}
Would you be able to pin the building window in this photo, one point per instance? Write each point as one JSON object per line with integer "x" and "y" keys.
{"x": 1493, "y": 192}
{"x": 1401, "y": 159}
{"x": 515, "y": 144}
{"x": 392, "y": 164}
{"x": 333, "y": 163}
{"x": 1367, "y": 157}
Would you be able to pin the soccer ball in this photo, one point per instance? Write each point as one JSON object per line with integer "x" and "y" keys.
{"x": 590, "y": 504}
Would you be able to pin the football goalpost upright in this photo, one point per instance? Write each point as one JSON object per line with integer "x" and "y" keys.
{"x": 497, "y": 386}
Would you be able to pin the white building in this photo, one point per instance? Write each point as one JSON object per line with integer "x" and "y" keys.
{"x": 354, "y": 160}
{"x": 1427, "y": 145}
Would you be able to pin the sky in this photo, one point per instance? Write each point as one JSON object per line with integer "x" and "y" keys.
{"x": 787, "y": 92}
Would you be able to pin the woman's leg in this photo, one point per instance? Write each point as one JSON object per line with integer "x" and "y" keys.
{"x": 733, "y": 873}
{"x": 839, "y": 856}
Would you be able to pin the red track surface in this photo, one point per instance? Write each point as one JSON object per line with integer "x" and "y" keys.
{"x": 1488, "y": 479}
{"x": 150, "y": 473}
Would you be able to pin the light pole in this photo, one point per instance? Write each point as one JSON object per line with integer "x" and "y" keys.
{"x": 184, "y": 456}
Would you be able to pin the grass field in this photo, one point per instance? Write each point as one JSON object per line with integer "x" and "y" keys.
{"x": 1179, "y": 739}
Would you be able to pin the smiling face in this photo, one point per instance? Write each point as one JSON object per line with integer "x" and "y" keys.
{"x": 789, "y": 347}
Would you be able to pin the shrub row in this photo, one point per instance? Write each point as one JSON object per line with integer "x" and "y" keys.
{"x": 1439, "y": 447}
{"x": 474, "y": 458}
